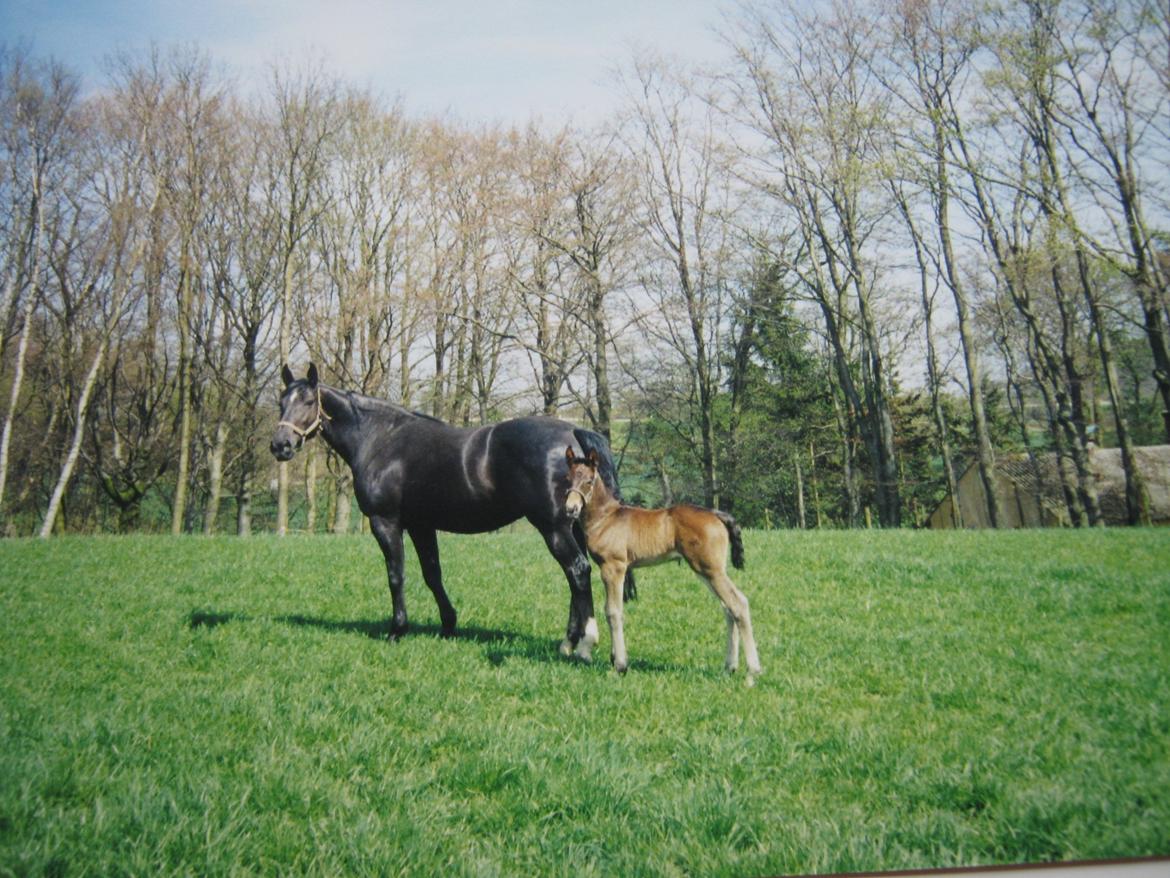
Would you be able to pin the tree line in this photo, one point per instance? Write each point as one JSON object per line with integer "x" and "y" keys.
{"x": 877, "y": 244}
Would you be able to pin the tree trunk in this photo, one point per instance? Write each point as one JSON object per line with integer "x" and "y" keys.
{"x": 1137, "y": 499}
{"x": 984, "y": 451}
{"x": 311, "y": 488}
{"x": 179, "y": 511}
{"x": 597, "y": 322}
{"x": 22, "y": 345}
{"x": 800, "y": 520}
{"x": 282, "y": 476}
{"x": 17, "y": 384}
{"x": 75, "y": 446}
{"x": 664, "y": 481}
{"x": 343, "y": 489}
{"x": 215, "y": 478}
{"x": 244, "y": 505}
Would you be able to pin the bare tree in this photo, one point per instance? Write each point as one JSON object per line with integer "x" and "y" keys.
{"x": 932, "y": 52}
{"x": 354, "y": 324}
{"x": 1111, "y": 62}
{"x": 538, "y": 269}
{"x": 672, "y": 137}
{"x": 38, "y": 102}
{"x": 598, "y": 242}
{"x": 97, "y": 267}
{"x": 806, "y": 93}
{"x": 300, "y": 131}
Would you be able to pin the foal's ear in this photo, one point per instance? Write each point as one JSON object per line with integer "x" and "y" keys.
{"x": 593, "y": 458}
{"x": 569, "y": 456}
{"x": 312, "y": 376}
{"x": 286, "y": 375}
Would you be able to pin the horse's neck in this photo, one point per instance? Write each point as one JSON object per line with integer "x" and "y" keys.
{"x": 349, "y": 417}
{"x": 341, "y": 424}
{"x": 602, "y": 507}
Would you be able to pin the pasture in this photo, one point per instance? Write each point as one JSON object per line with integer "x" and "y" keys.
{"x": 218, "y": 706}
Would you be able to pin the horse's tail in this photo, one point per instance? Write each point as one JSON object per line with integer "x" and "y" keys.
{"x": 736, "y": 535}
{"x": 590, "y": 441}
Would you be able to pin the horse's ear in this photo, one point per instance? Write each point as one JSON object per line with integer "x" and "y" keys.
{"x": 593, "y": 457}
{"x": 312, "y": 376}
{"x": 286, "y": 375}
{"x": 569, "y": 455}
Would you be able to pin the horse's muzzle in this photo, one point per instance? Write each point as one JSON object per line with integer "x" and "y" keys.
{"x": 282, "y": 449}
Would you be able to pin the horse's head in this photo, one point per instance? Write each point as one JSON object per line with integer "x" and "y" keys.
{"x": 300, "y": 413}
{"x": 582, "y": 479}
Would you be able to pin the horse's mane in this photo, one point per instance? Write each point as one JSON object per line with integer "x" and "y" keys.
{"x": 372, "y": 404}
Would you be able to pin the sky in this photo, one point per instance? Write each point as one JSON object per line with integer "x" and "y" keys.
{"x": 491, "y": 61}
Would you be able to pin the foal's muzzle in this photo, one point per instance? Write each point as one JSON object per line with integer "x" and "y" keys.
{"x": 574, "y": 504}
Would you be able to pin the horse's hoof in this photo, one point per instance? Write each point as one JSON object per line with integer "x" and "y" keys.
{"x": 566, "y": 648}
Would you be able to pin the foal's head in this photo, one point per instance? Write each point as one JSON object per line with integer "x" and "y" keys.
{"x": 300, "y": 413}
{"x": 582, "y": 481}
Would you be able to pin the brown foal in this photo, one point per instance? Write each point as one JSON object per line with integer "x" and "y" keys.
{"x": 621, "y": 537}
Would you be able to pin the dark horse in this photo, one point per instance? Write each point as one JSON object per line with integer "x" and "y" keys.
{"x": 417, "y": 474}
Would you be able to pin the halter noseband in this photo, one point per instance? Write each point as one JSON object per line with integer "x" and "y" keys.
{"x": 309, "y": 431}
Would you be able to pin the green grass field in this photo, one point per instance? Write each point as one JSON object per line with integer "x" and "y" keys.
{"x": 208, "y": 707}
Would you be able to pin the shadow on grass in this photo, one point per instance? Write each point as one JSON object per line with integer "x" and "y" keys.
{"x": 498, "y": 645}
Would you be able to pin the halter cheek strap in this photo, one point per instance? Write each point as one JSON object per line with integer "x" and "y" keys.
{"x": 585, "y": 498}
{"x": 307, "y": 432}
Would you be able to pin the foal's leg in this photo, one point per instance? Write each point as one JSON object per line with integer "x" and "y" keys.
{"x": 388, "y": 533}
{"x": 739, "y": 619}
{"x": 732, "y": 662}
{"x": 426, "y": 544}
{"x": 613, "y": 573}
{"x": 581, "y": 634}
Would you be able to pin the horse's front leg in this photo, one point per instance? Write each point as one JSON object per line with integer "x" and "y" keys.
{"x": 581, "y": 634}
{"x": 613, "y": 573}
{"x": 388, "y": 533}
{"x": 426, "y": 544}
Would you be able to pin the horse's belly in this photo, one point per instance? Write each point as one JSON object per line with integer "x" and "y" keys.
{"x": 460, "y": 518}
{"x": 655, "y": 560}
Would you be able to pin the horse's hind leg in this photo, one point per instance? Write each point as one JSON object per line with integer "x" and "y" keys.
{"x": 426, "y": 544}
{"x": 732, "y": 662}
{"x": 739, "y": 622}
{"x": 581, "y": 633}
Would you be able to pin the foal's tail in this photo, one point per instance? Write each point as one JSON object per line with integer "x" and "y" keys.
{"x": 736, "y": 535}
{"x": 590, "y": 441}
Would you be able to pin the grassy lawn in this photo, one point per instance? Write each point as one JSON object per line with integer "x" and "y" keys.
{"x": 196, "y": 706}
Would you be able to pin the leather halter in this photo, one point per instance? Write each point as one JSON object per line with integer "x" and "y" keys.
{"x": 585, "y": 498}
{"x": 308, "y": 432}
